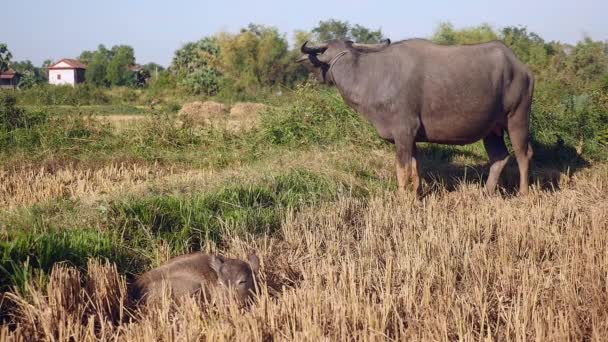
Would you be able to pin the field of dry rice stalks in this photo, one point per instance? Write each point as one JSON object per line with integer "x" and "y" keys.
{"x": 456, "y": 265}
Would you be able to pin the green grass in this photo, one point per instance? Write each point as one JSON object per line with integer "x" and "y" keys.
{"x": 84, "y": 110}
{"x": 130, "y": 230}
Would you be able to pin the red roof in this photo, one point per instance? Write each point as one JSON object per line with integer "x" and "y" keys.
{"x": 8, "y": 74}
{"x": 73, "y": 63}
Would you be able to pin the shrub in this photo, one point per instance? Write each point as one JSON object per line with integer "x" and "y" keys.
{"x": 577, "y": 120}
{"x": 83, "y": 94}
{"x": 201, "y": 81}
{"x": 315, "y": 115}
{"x": 185, "y": 222}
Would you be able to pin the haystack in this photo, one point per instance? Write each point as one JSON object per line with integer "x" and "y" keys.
{"x": 244, "y": 116}
{"x": 202, "y": 113}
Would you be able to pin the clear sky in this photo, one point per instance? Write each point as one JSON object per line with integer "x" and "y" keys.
{"x": 41, "y": 29}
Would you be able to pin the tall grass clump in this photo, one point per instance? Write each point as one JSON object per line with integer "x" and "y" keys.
{"x": 315, "y": 115}
{"x": 185, "y": 223}
{"x": 44, "y": 95}
{"x": 571, "y": 120}
{"x": 18, "y": 127}
{"x": 25, "y": 254}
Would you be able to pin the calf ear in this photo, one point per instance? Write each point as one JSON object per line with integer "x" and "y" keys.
{"x": 254, "y": 263}
{"x": 216, "y": 264}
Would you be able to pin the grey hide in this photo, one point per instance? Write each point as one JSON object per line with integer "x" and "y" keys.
{"x": 417, "y": 91}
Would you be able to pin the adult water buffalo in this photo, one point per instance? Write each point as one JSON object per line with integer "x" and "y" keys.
{"x": 417, "y": 91}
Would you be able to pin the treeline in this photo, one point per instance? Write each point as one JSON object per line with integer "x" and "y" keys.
{"x": 256, "y": 57}
{"x": 260, "y": 56}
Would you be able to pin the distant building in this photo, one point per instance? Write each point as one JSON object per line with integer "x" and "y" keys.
{"x": 67, "y": 71}
{"x": 9, "y": 79}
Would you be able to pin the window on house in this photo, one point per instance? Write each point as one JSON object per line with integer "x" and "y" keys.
{"x": 58, "y": 76}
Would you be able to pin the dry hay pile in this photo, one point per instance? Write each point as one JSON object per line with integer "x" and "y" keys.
{"x": 241, "y": 117}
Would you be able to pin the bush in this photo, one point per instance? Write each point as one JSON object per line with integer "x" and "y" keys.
{"x": 32, "y": 131}
{"x": 83, "y": 94}
{"x": 315, "y": 115}
{"x": 202, "y": 81}
{"x": 186, "y": 222}
{"x": 18, "y": 126}
{"x": 578, "y": 120}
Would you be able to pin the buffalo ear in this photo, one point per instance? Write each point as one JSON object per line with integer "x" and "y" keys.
{"x": 254, "y": 263}
{"x": 216, "y": 264}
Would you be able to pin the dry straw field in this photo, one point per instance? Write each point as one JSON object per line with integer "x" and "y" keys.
{"x": 456, "y": 265}
{"x": 311, "y": 189}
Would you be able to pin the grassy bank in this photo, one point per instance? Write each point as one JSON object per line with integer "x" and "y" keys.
{"x": 311, "y": 189}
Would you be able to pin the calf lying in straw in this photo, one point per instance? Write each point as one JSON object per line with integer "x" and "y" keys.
{"x": 197, "y": 274}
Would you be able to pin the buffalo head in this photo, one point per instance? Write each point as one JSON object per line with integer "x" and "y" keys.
{"x": 318, "y": 59}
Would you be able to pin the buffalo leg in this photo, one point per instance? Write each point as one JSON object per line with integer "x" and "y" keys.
{"x": 405, "y": 149}
{"x": 403, "y": 173}
{"x": 415, "y": 172}
{"x": 498, "y": 155}
{"x": 519, "y": 133}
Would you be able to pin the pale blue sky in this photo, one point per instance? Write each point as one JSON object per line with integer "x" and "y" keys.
{"x": 40, "y": 29}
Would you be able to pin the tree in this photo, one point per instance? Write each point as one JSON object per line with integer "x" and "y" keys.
{"x": 362, "y": 34}
{"x": 117, "y": 71}
{"x": 257, "y": 56}
{"x": 28, "y": 79}
{"x": 109, "y": 67}
{"x": 44, "y": 72}
{"x": 86, "y": 57}
{"x": 445, "y": 34}
{"x": 336, "y": 29}
{"x": 5, "y": 57}
{"x": 588, "y": 60}
{"x": 196, "y": 66}
{"x": 331, "y": 29}
{"x": 528, "y": 46}
{"x": 30, "y": 75}
{"x": 300, "y": 37}
{"x": 96, "y": 71}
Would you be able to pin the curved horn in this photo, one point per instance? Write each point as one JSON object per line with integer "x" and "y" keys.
{"x": 372, "y": 47}
{"x": 311, "y": 50}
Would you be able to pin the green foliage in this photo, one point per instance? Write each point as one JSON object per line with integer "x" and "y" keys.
{"x": 446, "y": 34}
{"x": 23, "y": 251}
{"x": 5, "y": 57}
{"x": 563, "y": 118}
{"x": 336, "y": 29}
{"x": 83, "y": 94}
{"x": 185, "y": 222}
{"x": 331, "y": 29}
{"x": 97, "y": 70}
{"x": 196, "y": 66}
{"x": 110, "y": 67}
{"x": 528, "y": 46}
{"x": 118, "y": 73}
{"x": 28, "y": 79}
{"x": 315, "y": 116}
{"x": 364, "y": 35}
{"x": 30, "y": 75}
{"x": 255, "y": 57}
{"x": 589, "y": 60}
{"x": 202, "y": 81}
{"x": 34, "y": 132}
{"x": 13, "y": 117}
{"x": 17, "y": 126}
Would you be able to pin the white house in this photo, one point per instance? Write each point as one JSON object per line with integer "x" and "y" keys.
{"x": 67, "y": 71}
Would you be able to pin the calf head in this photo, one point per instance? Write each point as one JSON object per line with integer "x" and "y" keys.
{"x": 237, "y": 274}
